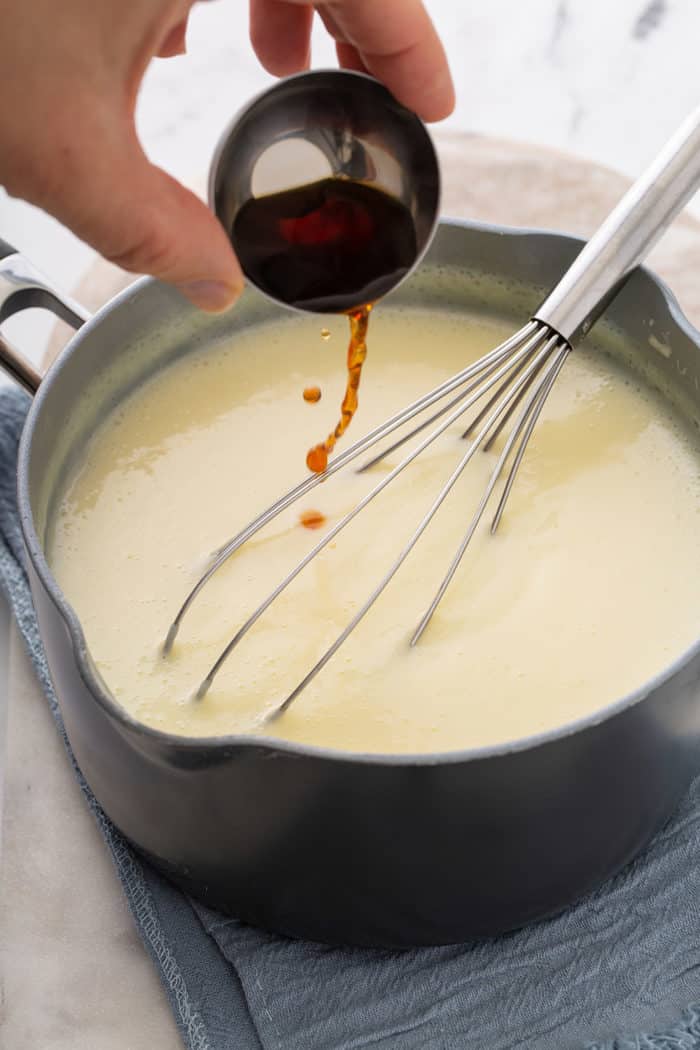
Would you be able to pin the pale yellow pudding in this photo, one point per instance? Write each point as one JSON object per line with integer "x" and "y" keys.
{"x": 589, "y": 588}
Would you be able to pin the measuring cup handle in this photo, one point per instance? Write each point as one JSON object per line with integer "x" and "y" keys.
{"x": 22, "y": 287}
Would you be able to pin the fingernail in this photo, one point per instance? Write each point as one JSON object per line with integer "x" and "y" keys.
{"x": 213, "y": 296}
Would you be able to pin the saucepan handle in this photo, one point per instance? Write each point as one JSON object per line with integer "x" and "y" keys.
{"x": 6, "y": 249}
{"x": 22, "y": 287}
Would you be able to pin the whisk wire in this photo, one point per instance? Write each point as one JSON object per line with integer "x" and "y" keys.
{"x": 542, "y": 353}
{"x": 386, "y": 428}
{"x": 505, "y": 419}
{"x": 512, "y": 366}
{"x": 545, "y": 388}
{"x": 405, "y": 438}
{"x": 497, "y": 394}
{"x": 524, "y": 426}
{"x": 520, "y": 374}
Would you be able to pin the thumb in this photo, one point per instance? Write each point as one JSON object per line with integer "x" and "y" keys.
{"x": 141, "y": 219}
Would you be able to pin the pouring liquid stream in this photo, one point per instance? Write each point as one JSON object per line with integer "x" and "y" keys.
{"x": 317, "y": 457}
{"x": 319, "y": 246}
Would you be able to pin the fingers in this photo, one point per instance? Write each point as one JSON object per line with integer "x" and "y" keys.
{"x": 348, "y": 57}
{"x": 174, "y": 41}
{"x": 171, "y": 234}
{"x": 160, "y": 228}
{"x": 280, "y": 33}
{"x": 68, "y": 142}
{"x": 396, "y": 42}
{"x": 141, "y": 219}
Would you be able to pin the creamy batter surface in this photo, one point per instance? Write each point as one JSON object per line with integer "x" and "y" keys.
{"x": 590, "y": 586}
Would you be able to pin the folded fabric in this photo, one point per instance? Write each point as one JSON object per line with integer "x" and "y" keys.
{"x": 625, "y": 961}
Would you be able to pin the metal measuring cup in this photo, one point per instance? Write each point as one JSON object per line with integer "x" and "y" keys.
{"x": 319, "y": 125}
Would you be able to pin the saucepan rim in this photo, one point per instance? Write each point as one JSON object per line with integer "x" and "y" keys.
{"x": 235, "y": 742}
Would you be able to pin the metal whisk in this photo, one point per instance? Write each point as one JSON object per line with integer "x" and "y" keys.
{"x": 512, "y": 384}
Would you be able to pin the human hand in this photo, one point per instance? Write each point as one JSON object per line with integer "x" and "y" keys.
{"x": 68, "y": 141}
{"x": 394, "y": 40}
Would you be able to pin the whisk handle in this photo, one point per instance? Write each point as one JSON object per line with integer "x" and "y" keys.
{"x": 626, "y": 236}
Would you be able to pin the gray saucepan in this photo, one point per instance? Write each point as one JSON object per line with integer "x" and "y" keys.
{"x": 380, "y": 850}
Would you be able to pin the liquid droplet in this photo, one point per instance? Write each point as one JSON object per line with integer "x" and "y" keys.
{"x": 312, "y": 519}
{"x": 317, "y": 459}
{"x": 325, "y": 334}
{"x": 312, "y": 394}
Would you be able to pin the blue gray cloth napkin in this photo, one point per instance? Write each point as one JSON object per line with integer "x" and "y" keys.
{"x": 624, "y": 962}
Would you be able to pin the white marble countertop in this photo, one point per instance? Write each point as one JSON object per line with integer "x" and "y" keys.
{"x": 607, "y": 81}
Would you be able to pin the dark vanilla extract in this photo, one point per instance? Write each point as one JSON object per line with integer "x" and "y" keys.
{"x": 330, "y": 246}
{"x": 334, "y": 246}
{"x": 312, "y": 519}
{"x": 317, "y": 457}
